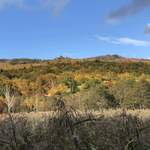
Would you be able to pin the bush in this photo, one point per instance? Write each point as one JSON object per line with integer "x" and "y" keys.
{"x": 132, "y": 94}
{"x": 99, "y": 97}
{"x": 13, "y": 89}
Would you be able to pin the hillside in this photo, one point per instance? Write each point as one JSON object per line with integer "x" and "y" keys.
{"x": 110, "y": 76}
{"x": 78, "y": 103}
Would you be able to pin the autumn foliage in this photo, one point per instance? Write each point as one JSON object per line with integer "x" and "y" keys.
{"x": 100, "y": 82}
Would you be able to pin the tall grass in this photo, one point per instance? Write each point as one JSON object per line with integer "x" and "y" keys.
{"x": 68, "y": 129}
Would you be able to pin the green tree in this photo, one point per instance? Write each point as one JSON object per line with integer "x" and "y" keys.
{"x": 99, "y": 97}
{"x": 141, "y": 94}
{"x": 122, "y": 91}
{"x": 72, "y": 84}
{"x": 131, "y": 93}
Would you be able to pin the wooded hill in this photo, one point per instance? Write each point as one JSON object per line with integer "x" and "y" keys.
{"x": 110, "y": 81}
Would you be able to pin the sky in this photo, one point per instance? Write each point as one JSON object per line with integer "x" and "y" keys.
{"x": 46, "y": 29}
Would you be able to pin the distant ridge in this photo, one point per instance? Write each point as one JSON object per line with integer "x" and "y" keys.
{"x": 117, "y": 58}
{"x": 108, "y": 57}
{"x": 61, "y": 58}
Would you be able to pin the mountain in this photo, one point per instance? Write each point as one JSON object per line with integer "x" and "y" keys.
{"x": 62, "y": 58}
{"x": 117, "y": 58}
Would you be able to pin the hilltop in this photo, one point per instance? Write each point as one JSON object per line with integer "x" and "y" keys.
{"x": 102, "y": 58}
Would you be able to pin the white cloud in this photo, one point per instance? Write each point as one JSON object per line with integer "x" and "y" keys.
{"x": 128, "y": 41}
{"x": 123, "y": 41}
{"x": 56, "y": 6}
{"x": 147, "y": 29}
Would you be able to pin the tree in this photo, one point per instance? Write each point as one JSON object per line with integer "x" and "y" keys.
{"x": 91, "y": 83}
{"x": 122, "y": 91}
{"x": 9, "y": 98}
{"x": 141, "y": 94}
{"x": 13, "y": 89}
{"x": 131, "y": 93}
{"x": 99, "y": 97}
{"x": 72, "y": 84}
{"x": 10, "y": 101}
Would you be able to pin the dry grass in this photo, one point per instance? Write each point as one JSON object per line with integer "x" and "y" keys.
{"x": 141, "y": 113}
{"x": 67, "y": 129}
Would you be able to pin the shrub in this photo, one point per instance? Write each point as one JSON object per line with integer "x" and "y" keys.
{"x": 99, "y": 97}
{"x": 132, "y": 94}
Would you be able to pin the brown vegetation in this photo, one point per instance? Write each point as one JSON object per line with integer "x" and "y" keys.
{"x": 67, "y": 129}
{"x": 3, "y": 107}
{"x": 88, "y": 104}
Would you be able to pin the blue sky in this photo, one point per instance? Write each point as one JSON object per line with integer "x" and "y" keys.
{"x": 74, "y": 28}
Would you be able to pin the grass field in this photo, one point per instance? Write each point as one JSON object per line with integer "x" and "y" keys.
{"x": 67, "y": 129}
